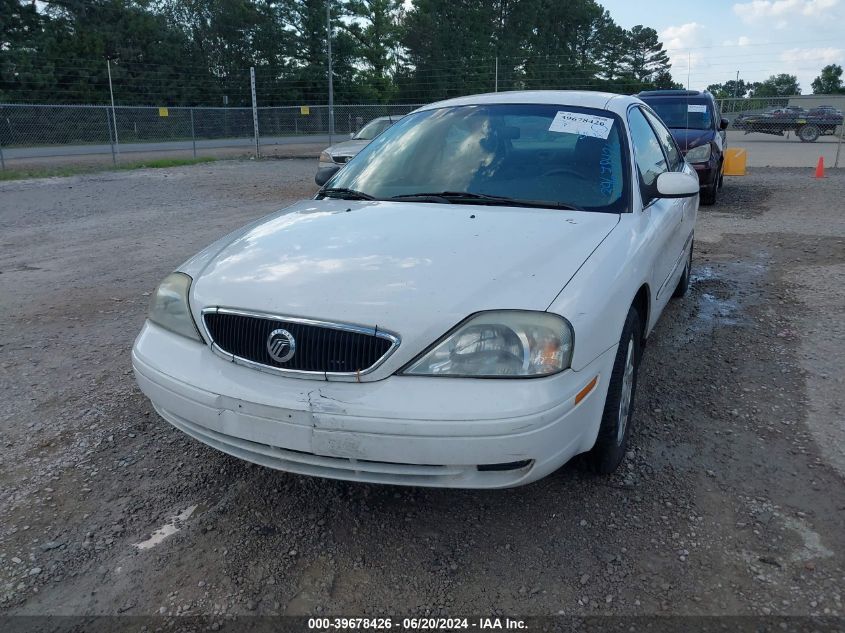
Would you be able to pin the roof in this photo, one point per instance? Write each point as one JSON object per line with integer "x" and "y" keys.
{"x": 578, "y": 98}
{"x": 672, "y": 93}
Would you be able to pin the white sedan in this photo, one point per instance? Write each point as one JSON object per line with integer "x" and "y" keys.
{"x": 465, "y": 304}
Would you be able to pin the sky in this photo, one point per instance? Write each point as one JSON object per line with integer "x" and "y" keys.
{"x": 708, "y": 41}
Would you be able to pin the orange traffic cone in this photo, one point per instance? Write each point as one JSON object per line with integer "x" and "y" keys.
{"x": 820, "y": 168}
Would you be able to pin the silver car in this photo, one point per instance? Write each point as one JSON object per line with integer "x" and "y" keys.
{"x": 334, "y": 157}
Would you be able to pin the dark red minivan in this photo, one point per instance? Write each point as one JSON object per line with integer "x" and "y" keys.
{"x": 695, "y": 121}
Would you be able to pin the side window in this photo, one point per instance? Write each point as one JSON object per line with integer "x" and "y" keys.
{"x": 647, "y": 154}
{"x": 666, "y": 141}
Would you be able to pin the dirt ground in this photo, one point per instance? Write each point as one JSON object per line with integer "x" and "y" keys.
{"x": 731, "y": 499}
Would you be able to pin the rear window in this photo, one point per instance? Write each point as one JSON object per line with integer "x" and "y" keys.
{"x": 691, "y": 113}
{"x": 373, "y": 129}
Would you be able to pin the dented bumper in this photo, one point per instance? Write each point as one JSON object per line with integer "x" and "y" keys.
{"x": 468, "y": 433}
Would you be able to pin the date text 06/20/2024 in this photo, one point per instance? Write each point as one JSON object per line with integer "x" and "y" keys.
{"x": 415, "y": 624}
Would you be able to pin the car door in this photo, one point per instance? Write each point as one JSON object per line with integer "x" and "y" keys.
{"x": 663, "y": 218}
{"x": 676, "y": 162}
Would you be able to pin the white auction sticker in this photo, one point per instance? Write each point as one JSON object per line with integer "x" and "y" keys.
{"x": 693, "y": 107}
{"x": 582, "y": 124}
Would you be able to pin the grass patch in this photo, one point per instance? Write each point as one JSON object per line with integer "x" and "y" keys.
{"x": 159, "y": 163}
{"x": 22, "y": 174}
{"x": 57, "y": 172}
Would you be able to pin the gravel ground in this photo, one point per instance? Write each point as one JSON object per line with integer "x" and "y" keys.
{"x": 731, "y": 499}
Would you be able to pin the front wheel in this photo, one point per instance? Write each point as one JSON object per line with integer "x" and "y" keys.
{"x": 609, "y": 449}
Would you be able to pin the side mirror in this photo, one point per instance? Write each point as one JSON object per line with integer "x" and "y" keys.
{"x": 676, "y": 184}
{"x": 723, "y": 124}
{"x": 324, "y": 173}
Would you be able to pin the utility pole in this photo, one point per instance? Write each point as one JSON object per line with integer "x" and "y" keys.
{"x": 113, "y": 115}
{"x": 736, "y": 85}
{"x": 254, "y": 112}
{"x": 331, "y": 78}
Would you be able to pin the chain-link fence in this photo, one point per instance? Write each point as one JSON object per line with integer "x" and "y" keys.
{"x": 38, "y": 131}
{"x": 806, "y": 119}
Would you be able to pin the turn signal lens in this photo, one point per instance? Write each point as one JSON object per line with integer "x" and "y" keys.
{"x": 586, "y": 390}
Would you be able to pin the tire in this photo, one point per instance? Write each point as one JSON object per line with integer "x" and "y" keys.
{"x": 808, "y": 133}
{"x": 609, "y": 449}
{"x": 683, "y": 282}
{"x": 708, "y": 196}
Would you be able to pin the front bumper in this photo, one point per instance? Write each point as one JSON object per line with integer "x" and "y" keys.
{"x": 708, "y": 173}
{"x": 402, "y": 430}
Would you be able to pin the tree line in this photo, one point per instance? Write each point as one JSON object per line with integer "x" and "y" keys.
{"x": 198, "y": 52}
{"x": 828, "y": 82}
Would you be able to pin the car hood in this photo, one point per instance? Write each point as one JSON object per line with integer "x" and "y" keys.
{"x": 347, "y": 148}
{"x": 687, "y": 138}
{"x": 413, "y": 269}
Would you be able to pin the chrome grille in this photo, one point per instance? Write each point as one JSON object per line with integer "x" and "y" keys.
{"x": 321, "y": 347}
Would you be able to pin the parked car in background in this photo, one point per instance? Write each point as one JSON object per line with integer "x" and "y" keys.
{"x": 340, "y": 153}
{"x": 792, "y": 112}
{"x": 825, "y": 110}
{"x": 697, "y": 125}
{"x": 462, "y": 305}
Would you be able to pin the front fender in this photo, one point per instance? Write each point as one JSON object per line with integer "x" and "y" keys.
{"x": 597, "y": 298}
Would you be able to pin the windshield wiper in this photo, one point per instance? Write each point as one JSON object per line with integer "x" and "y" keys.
{"x": 468, "y": 197}
{"x": 449, "y": 196}
{"x": 344, "y": 194}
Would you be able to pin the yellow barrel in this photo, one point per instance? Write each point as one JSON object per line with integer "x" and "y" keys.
{"x": 735, "y": 159}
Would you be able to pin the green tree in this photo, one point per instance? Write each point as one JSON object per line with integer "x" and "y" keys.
{"x": 782, "y": 85}
{"x": 730, "y": 89}
{"x": 198, "y": 52}
{"x": 663, "y": 81}
{"x": 375, "y": 31}
{"x": 21, "y": 36}
{"x": 66, "y": 60}
{"x": 449, "y": 50}
{"x": 829, "y": 81}
{"x": 644, "y": 58}
{"x": 566, "y": 45}
{"x": 612, "y": 62}
{"x": 224, "y": 38}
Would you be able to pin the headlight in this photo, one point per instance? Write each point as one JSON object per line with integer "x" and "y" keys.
{"x": 700, "y": 154}
{"x": 169, "y": 306}
{"x": 502, "y": 343}
{"x": 325, "y": 157}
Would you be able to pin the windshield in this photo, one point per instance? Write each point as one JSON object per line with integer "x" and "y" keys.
{"x": 683, "y": 112}
{"x": 373, "y": 129}
{"x": 563, "y": 155}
